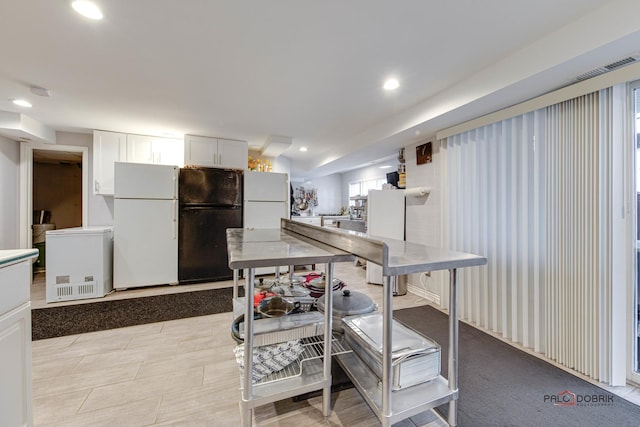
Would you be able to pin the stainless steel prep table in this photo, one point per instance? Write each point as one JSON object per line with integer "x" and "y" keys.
{"x": 252, "y": 248}
{"x": 396, "y": 258}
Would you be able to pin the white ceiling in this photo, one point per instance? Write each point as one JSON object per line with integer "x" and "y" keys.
{"x": 312, "y": 71}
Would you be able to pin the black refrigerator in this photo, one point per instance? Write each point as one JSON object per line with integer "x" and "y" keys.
{"x": 210, "y": 202}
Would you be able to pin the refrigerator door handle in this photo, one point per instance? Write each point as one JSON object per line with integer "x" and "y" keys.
{"x": 175, "y": 219}
{"x": 176, "y": 171}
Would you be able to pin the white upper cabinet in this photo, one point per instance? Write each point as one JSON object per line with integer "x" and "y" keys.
{"x": 156, "y": 150}
{"x": 108, "y": 148}
{"x": 215, "y": 152}
{"x": 111, "y": 147}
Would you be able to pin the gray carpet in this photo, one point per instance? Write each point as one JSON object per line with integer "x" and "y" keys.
{"x": 503, "y": 386}
{"x": 59, "y": 321}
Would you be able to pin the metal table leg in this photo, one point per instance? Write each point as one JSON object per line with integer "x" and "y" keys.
{"x": 247, "y": 386}
{"x": 328, "y": 309}
{"x": 387, "y": 348}
{"x": 235, "y": 284}
{"x": 453, "y": 346}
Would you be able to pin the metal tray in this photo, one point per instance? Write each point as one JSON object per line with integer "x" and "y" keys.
{"x": 415, "y": 358}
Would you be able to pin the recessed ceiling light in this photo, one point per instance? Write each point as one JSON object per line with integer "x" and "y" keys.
{"x": 303, "y": 148}
{"x": 87, "y": 9}
{"x": 391, "y": 84}
{"x": 385, "y": 167}
{"x": 22, "y": 103}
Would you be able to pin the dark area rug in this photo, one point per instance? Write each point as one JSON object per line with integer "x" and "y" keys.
{"x": 503, "y": 386}
{"x": 53, "y": 322}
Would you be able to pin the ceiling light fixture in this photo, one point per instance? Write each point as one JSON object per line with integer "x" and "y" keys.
{"x": 391, "y": 84}
{"x": 385, "y": 167}
{"x": 21, "y": 103}
{"x": 303, "y": 148}
{"x": 87, "y": 9}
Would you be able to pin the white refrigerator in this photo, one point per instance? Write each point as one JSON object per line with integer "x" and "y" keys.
{"x": 385, "y": 218}
{"x": 266, "y": 200}
{"x": 145, "y": 225}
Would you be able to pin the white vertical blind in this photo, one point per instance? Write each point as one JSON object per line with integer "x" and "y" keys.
{"x": 495, "y": 208}
{"x": 534, "y": 194}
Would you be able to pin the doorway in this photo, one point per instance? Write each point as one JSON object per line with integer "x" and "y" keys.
{"x": 49, "y": 182}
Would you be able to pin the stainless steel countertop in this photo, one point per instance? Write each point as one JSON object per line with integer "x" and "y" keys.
{"x": 403, "y": 257}
{"x": 251, "y": 248}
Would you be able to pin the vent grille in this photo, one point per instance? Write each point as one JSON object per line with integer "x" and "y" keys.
{"x": 621, "y": 63}
{"x": 64, "y": 291}
{"x": 609, "y": 67}
{"x": 62, "y": 280}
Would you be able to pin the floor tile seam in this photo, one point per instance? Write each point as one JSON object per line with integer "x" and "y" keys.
{"x": 35, "y": 382}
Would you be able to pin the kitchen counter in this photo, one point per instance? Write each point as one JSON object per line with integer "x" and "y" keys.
{"x": 353, "y": 224}
{"x": 12, "y": 256}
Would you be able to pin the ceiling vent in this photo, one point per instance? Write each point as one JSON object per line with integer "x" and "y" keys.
{"x": 276, "y": 145}
{"x": 609, "y": 67}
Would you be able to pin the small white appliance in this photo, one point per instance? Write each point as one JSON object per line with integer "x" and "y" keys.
{"x": 266, "y": 201}
{"x": 385, "y": 218}
{"x": 79, "y": 263}
{"x": 145, "y": 225}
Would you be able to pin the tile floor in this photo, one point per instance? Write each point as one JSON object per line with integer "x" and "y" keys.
{"x": 179, "y": 373}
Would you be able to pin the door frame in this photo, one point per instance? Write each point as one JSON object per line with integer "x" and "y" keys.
{"x": 26, "y": 185}
{"x": 632, "y": 128}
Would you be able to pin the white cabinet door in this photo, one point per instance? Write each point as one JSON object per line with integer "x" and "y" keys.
{"x": 15, "y": 369}
{"x": 168, "y": 151}
{"x": 200, "y": 151}
{"x": 108, "y": 148}
{"x": 233, "y": 154}
{"x": 215, "y": 152}
{"x": 154, "y": 149}
{"x": 140, "y": 149}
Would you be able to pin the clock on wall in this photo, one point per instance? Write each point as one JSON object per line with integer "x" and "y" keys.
{"x": 423, "y": 153}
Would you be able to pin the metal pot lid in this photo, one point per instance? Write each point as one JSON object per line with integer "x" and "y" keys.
{"x": 294, "y": 280}
{"x": 348, "y": 303}
{"x": 291, "y": 290}
{"x": 318, "y": 283}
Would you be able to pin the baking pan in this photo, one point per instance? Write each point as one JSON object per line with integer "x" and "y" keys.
{"x": 415, "y": 358}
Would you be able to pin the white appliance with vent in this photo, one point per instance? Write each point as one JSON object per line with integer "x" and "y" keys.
{"x": 266, "y": 201}
{"x": 79, "y": 263}
{"x": 385, "y": 218}
{"x": 145, "y": 225}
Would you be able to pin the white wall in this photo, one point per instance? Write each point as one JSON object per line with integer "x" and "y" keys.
{"x": 9, "y": 173}
{"x": 362, "y": 174}
{"x": 329, "y": 190}
{"x": 423, "y": 213}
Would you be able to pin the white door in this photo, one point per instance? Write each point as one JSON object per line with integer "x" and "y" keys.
{"x": 145, "y": 243}
{"x": 145, "y": 181}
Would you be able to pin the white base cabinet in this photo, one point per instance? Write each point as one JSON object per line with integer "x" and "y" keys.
{"x": 15, "y": 338}
{"x": 313, "y": 220}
